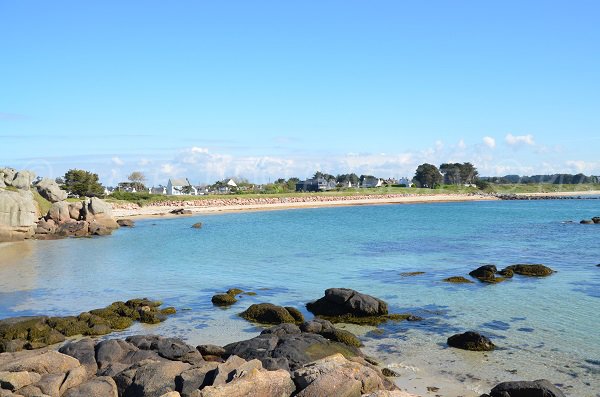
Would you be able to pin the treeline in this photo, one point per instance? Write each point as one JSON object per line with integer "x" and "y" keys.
{"x": 556, "y": 179}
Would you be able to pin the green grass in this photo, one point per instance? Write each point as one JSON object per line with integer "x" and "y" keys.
{"x": 42, "y": 204}
{"x": 144, "y": 199}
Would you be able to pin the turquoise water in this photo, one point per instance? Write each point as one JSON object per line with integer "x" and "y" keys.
{"x": 545, "y": 328}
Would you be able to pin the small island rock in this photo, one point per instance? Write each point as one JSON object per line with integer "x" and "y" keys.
{"x": 471, "y": 341}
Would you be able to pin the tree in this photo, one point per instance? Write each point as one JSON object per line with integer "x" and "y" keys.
{"x": 345, "y": 178}
{"x": 468, "y": 173}
{"x": 452, "y": 173}
{"x": 83, "y": 183}
{"x": 137, "y": 176}
{"x": 427, "y": 175}
{"x": 327, "y": 177}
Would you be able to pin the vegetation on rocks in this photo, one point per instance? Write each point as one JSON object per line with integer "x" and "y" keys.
{"x": 535, "y": 270}
{"x": 35, "y": 332}
{"x": 267, "y": 313}
{"x": 457, "y": 280}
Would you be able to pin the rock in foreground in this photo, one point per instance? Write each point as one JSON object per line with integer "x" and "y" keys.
{"x": 537, "y": 388}
{"x": 471, "y": 341}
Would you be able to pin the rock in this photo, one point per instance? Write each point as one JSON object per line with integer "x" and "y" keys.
{"x": 226, "y": 371}
{"x": 223, "y": 299}
{"x": 282, "y": 330}
{"x": 59, "y": 212}
{"x": 389, "y": 373}
{"x": 587, "y": 222}
{"x": 295, "y": 313}
{"x": 18, "y": 215}
{"x": 535, "y": 270}
{"x": 254, "y": 382}
{"x": 97, "y": 229}
{"x": 336, "y": 376}
{"x": 175, "y": 349}
{"x": 50, "y": 384}
{"x": 50, "y": 362}
{"x": 267, "y": 313}
{"x": 44, "y": 226}
{"x": 125, "y": 223}
{"x": 9, "y": 175}
{"x": 74, "y": 378}
{"x": 486, "y": 273}
{"x": 196, "y": 377}
{"x": 73, "y": 229}
{"x": 50, "y": 190}
{"x": 506, "y": 273}
{"x": 343, "y": 336}
{"x": 113, "y": 351}
{"x": 340, "y": 301}
{"x": 211, "y": 350}
{"x": 84, "y": 351}
{"x": 171, "y": 394}
{"x": 389, "y": 393}
{"x": 234, "y": 291}
{"x": 97, "y": 207}
{"x": 457, "y": 280}
{"x": 76, "y": 211}
{"x": 471, "y": 341}
{"x": 197, "y": 225}
{"x": 541, "y": 388}
{"x": 102, "y": 386}
{"x": 596, "y": 219}
{"x": 22, "y": 180}
{"x": 16, "y": 380}
{"x": 289, "y": 351}
{"x": 150, "y": 378}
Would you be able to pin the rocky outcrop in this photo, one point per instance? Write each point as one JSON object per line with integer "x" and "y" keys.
{"x": 49, "y": 189}
{"x": 471, "y": 341}
{"x": 541, "y": 388}
{"x": 155, "y": 366}
{"x": 487, "y": 274}
{"x": 19, "y": 211}
{"x": 20, "y": 333}
{"x": 457, "y": 280}
{"x": 125, "y": 223}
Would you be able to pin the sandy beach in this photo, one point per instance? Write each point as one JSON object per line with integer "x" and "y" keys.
{"x": 208, "y": 206}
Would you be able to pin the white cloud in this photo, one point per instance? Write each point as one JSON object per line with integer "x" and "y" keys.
{"x": 489, "y": 142}
{"x": 143, "y": 162}
{"x": 514, "y": 140}
{"x": 461, "y": 144}
{"x": 585, "y": 167}
{"x": 117, "y": 161}
{"x": 167, "y": 168}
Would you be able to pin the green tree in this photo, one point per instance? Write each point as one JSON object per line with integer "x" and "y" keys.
{"x": 83, "y": 183}
{"x": 427, "y": 175}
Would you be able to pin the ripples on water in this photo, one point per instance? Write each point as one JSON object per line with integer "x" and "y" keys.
{"x": 544, "y": 327}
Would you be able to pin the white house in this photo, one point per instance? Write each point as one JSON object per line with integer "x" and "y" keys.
{"x": 178, "y": 187}
{"x": 371, "y": 182}
{"x": 231, "y": 183}
{"x": 405, "y": 181}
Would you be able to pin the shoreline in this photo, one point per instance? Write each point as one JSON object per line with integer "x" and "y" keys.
{"x": 130, "y": 210}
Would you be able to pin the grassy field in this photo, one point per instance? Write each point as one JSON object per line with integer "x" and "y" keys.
{"x": 148, "y": 199}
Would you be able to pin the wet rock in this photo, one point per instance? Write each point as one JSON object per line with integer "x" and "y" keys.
{"x": 471, "y": 341}
{"x": 267, "y": 313}
{"x": 587, "y": 222}
{"x": 341, "y": 301}
{"x": 223, "y": 299}
{"x": 457, "y": 280}
{"x": 335, "y": 375}
{"x": 596, "y": 219}
{"x": 125, "y": 222}
{"x": 73, "y": 229}
{"x": 541, "y": 388}
{"x": 342, "y": 336}
{"x": 506, "y": 273}
{"x": 486, "y": 273}
{"x": 197, "y": 225}
{"x": 535, "y": 270}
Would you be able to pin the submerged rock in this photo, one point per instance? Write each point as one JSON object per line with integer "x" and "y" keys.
{"x": 457, "y": 280}
{"x": 536, "y": 270}
{"x": 223, "y": 299}
{"x": 471, "y": 341}
{"x": 197, "y": 225}
{"x": 486, "y": 273}
{"x": 125, "y": 222}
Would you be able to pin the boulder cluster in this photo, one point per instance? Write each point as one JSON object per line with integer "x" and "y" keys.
{"x": 490, "y": 274}
{"x": 35, "y": 332}
{"x": 155, "y": 366}
{"x": 22, "y": 215}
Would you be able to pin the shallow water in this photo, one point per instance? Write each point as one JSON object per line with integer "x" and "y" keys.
{"x": 545, "y": 328}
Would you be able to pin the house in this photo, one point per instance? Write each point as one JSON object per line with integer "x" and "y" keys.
{"x": 178, "y": 187}
{"x": 405, "y": 181}
{"x": 158, "y": 190}
{"x": 108, "y": 191}
{"x": 371, "y": 181}
{"x": 230, "y": 182}
{"x": 315, "y": 185}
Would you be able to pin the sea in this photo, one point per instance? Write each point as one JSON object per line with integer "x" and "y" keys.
{"x": 543, "y": 327}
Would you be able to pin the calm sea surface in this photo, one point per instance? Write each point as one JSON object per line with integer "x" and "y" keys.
{"x": 545, "y": 328}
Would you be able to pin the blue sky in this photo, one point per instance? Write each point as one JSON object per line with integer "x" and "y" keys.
{"x": 267, "y": 89}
